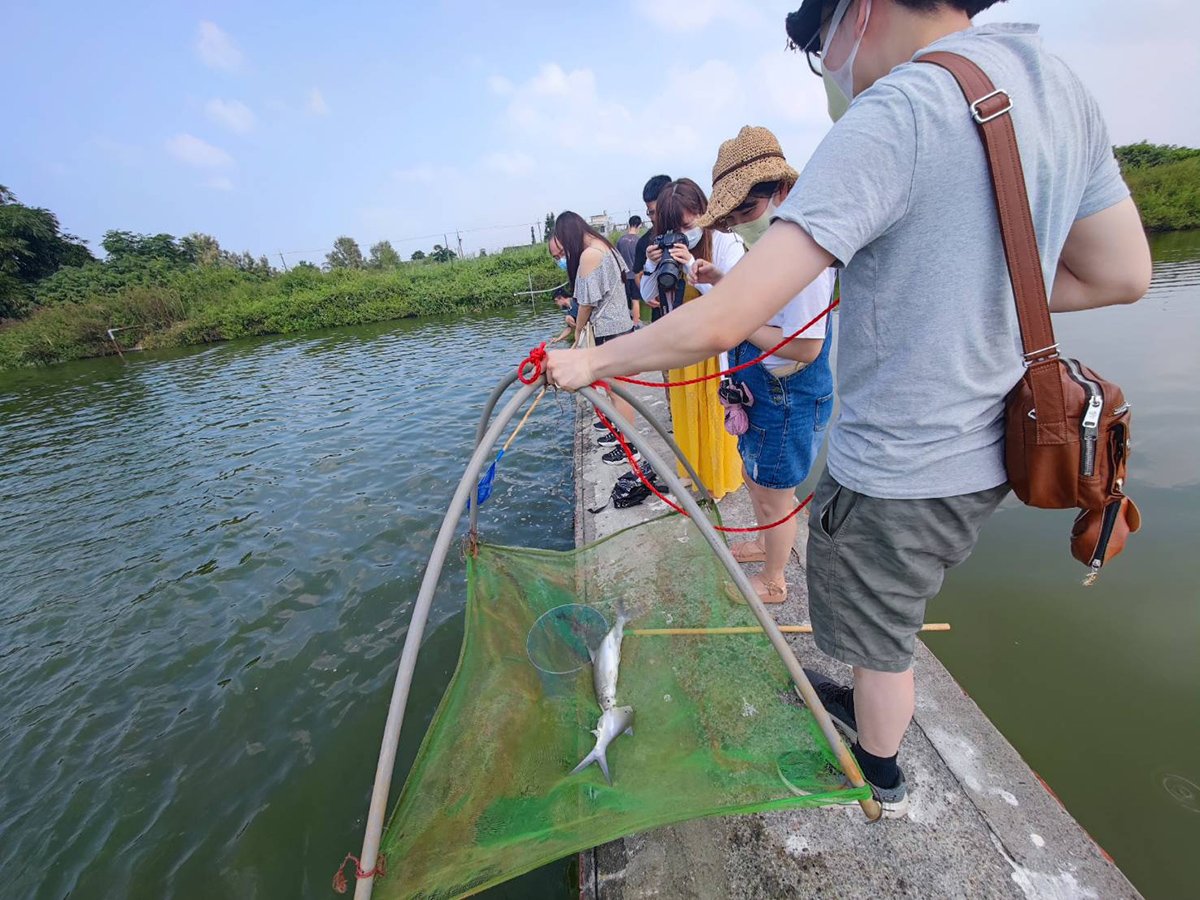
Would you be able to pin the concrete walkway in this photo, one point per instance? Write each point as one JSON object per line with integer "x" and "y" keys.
{"x": 981, "y": 822}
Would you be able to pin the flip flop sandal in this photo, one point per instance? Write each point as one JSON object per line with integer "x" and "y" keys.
{"x": 748, "y": 552}
{"x": 773, "y": 592}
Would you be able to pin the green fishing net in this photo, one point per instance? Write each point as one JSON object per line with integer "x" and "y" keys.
{"x": 717, "y": 726}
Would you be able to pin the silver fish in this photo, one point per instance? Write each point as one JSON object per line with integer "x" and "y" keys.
{"x": 606, "y": 660}
{"x": 614, "y": 721}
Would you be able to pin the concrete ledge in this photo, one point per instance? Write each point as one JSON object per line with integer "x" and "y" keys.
{"x": 981, "y": 824}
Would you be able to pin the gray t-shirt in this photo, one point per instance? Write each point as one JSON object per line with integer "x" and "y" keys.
{"x": 627, "y": 247}
{"x": 899, "y": 193}
{"x": 604, "y": 289}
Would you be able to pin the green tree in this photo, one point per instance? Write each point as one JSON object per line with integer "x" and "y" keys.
{"x": 200, "y": 249}
{"x": 345, "y": 254}
{"x": 32, "y": 246}
{"x": 482, "y": 253}
{"x": 442, "y": 254}
{"x": 1144, "y": 155}
{"x": 246, "y": 262}
{"x": 128, "y": 246}
{"x": 417, "y": 255}
{"x": 384, "y": 256}
{"x": 549, "y": 230}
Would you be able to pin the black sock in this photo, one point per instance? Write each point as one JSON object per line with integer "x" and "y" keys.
{"x": 881, "y": 771}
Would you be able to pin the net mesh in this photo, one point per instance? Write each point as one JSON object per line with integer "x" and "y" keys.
{"x": 717, "y": 726}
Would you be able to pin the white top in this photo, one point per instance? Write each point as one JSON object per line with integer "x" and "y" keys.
{"x": 802, "y": 309}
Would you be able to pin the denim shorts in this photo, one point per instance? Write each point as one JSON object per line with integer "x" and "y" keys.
{"x": 873, "y": 564}
{"x": 787, "y": 420}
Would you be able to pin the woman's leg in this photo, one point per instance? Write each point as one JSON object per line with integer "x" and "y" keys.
{"x": 771, "y": 505}
{"x": 752, "y": 547}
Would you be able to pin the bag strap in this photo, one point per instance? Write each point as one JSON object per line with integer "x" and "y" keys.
{"x": 991, "y": 109}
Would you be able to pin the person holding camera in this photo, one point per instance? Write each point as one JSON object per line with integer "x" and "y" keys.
{"x": 596, "y": 276}
{"x": 788, "y": 395}
{"x": 683, "y": 261}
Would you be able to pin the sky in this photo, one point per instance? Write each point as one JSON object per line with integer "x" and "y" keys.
{"x": 277, "y": 127}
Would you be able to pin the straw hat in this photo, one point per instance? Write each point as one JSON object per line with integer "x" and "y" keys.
{"x": 754, "y": 156}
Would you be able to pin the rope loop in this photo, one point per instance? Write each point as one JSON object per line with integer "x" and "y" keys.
{"x": 536, "y": 359}
{"x": 339, "y": 878}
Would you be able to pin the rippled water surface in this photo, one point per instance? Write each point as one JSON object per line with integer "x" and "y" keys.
{"x": 207, "y": 562}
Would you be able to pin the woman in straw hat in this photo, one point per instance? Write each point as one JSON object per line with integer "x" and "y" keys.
{"x": 696, "y": 412}
{"x": 792, "y": 389}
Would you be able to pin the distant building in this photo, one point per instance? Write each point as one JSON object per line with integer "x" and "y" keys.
{"x": 603, "y": 223}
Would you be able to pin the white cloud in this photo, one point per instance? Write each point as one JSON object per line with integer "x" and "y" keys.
{"x": 316, "y": 103}
{"x": 220, "y": 183}
{"x": 233, "y": 114}
{"x": 217, "y": 49}
{"x": 514, "y": 164}
{"x": 189, "y": 149}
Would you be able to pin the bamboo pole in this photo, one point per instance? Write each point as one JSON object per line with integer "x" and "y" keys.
{"x": 751, "y": 629}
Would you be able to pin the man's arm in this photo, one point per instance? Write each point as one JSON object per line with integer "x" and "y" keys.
{"x": 783, "y": 262}
{"x": 1105, "y": 261}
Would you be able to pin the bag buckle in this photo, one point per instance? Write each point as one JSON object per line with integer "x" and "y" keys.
{"x": 1046, "y": 354}
{"x": 979, "y": 117}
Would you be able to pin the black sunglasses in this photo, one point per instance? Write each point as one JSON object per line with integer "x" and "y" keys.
{"x": 813, "y": 49}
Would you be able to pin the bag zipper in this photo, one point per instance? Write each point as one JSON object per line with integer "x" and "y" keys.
{"x": 1089, "y": 428}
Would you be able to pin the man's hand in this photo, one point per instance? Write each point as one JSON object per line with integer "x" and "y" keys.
{"x": 654, "y": 253}
{"x": 570, "y": 369}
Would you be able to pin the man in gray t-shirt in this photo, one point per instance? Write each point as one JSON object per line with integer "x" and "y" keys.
{"x": 898, "y": 194}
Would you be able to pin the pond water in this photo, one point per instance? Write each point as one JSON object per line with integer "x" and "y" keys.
{"x": 208, "y": 560}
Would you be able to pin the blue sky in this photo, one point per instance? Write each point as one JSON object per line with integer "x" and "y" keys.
{"x": 277, "y": 127}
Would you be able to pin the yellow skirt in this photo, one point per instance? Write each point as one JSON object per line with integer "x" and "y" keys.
{"x": 699, "y": 423}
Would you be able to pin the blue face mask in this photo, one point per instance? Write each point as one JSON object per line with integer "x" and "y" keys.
{"x": 562, "y": 263}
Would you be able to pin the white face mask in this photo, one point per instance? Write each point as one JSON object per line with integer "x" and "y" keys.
{"x": 693, "y": 236}
{"x": 750, "y": 232}
{"x": 839, "y": 82}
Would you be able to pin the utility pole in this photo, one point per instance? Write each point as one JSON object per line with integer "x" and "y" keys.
{"x": 460, "y": 253}
{"x": 284, "y": 261}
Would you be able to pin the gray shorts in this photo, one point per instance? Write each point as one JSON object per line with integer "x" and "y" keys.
{"x": 873, "y": 564}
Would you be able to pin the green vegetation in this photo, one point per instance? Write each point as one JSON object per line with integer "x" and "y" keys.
{"x": 58, "y": 303}
{"x": 1165, "y": 182}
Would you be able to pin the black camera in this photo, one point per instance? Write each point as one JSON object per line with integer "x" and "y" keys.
{"x": 668, "y": 274}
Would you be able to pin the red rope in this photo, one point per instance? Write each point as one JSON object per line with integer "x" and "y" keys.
{"x": 339, "y": 879}
{"x": 787, "y": 340}
{"x": 537, "y": 359}
{"x": 661, "y": 496}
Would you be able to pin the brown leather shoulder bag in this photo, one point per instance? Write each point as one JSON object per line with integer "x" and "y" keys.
{"x": 1066, "y": 428}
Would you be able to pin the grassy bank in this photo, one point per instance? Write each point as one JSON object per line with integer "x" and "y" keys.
{"x": 197, "y": 305}
{"x": 1165, "y": 183}
{"x": 1168, "y": 196}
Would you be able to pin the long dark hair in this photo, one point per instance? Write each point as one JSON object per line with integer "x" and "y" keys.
{"x": 676, "y": 202}
{"x": 571, "y": 231}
